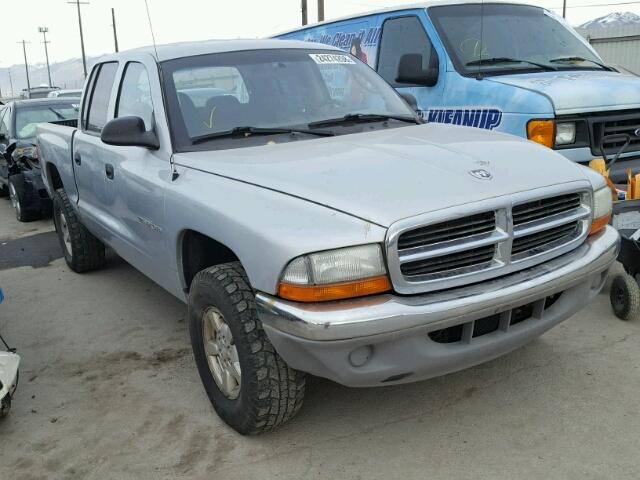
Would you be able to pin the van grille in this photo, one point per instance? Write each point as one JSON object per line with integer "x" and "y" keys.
{"x": 611, "y": 125}
{"x": 508, "y": 235}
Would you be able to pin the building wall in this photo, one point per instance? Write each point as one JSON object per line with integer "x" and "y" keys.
{"x": 616, "y": 45}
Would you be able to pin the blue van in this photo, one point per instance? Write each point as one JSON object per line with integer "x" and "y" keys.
{"x": 512, "y": 68}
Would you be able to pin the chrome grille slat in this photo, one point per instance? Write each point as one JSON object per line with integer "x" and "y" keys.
{"x": 450, "y": 262}
{"x": 543, "y": 208}
{"x": 495, "y": 237}
{"x": 449, "y": 230}
{"x": 530, "y": 242}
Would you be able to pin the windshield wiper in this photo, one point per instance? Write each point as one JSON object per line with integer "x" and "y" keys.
{"x": 364, "y": 117}
{"x": 499, "y": 60}
{"x": 248, "y": 131}
{"x": 57, "y": 114}
{"x": 580, "y": 59}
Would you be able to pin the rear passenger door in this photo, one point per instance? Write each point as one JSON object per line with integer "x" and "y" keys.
{"x": 403, "y": 35}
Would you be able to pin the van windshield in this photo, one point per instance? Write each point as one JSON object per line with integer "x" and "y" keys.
{"x": 215, "y": 100}
{"x": 510, "y": 38}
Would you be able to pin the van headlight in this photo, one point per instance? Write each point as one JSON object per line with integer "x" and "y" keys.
{"x": 602, "y": 206}
{"x": 565, "y": 133}
{"x": 335, "y": 274}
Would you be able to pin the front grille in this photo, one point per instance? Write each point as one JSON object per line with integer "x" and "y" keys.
{"x": 537, "y": 242}
{"x": 611, "y": 125}
{"x": 507, "y": 235}
{"x": 446, "y": 231}
{"x": 545, "y": 207}
{"x": 466, "y": 332}
{"x": 478, "y": 257}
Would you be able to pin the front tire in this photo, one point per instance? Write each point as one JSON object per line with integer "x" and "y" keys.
{"x": 250, "y": 386}
{"x": 18, "y": 199}
{"x": 82, "y": 251}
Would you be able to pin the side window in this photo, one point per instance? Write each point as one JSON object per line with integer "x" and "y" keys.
{"x": 134, "y": 98}
{"x": 87, "y": 98}
{"x": 401, "y": 36}
{"x": 98, "y": 108}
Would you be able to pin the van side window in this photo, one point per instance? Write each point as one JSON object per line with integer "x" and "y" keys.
{"x": 98, "y": 108}
{"x": 401, "y": 36}
{"x": 134, "y": 98}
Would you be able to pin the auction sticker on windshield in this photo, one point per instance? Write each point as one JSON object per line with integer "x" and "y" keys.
{"x": 331, "y": 58}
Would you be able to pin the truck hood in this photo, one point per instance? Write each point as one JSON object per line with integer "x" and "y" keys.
{"x": 386, "y": 175}
{"x": 579, "y": 92}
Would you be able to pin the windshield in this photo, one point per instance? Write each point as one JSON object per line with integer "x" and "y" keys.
{"x": 28, "y": 117}
{"x": 269, "y": 89}
{"x": 514, "y": 37}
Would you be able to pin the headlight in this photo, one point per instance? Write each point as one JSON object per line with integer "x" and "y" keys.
{"x": 602, "y": 205}
{"x": 565, "y": 133}
{"x": 29, "y": 152}
{"x": 335, "y": 274}
{"x": 542, "y": 132}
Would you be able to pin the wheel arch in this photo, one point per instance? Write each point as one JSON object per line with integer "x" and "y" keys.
{"x": 197, "y": 251}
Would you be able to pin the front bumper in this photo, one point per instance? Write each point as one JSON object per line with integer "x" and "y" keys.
{"x": 392, "y": 339}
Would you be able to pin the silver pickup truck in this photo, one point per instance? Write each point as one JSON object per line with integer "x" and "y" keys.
{"x": 312, "y": 224}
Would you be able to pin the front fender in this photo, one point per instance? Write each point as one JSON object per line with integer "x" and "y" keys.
{"x": 264, "y": 228}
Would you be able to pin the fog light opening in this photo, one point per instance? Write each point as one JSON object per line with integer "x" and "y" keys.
{"x": 361, "y": 356}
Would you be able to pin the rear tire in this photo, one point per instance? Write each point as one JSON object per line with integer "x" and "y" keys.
{"x": 82, "y": 251}
{"x": 18, "y": 200}
{"x": 264, "y": 392}
{"x": 625, "y": 297}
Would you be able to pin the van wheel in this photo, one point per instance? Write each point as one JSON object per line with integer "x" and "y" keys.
{"x": 18, "y": 200}
{"x": 250, "y": 386}
{"x": 82, "y": 251}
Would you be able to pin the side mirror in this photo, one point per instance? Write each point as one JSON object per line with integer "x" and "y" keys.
{"x": 129, "y": 132}
{"x": 410, "y": 71}
{"x": 411, "y": 100}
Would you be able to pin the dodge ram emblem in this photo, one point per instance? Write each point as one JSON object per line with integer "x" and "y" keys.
{"x": 481, "y": 174}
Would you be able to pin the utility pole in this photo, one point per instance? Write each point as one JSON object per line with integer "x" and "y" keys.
{"x": 10, "y": 82}
{"x": 321, "y": 10}
{"x": 564, "y": 9}
{"x": 84, "y": 58}
{"x": 304, "y": 13}
{"x": 43, "y": 31}
{"x": 113, "y": 24}
{"x": 26, "y": 67}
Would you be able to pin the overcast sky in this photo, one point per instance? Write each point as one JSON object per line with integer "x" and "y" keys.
{"x": 180, "y": 20}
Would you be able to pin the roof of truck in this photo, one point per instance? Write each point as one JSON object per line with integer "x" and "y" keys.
{"x": 188, "y": 49}
{"x": 408, "y": 6}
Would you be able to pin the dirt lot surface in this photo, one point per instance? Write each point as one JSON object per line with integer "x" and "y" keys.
{"x": 109, "y": 390}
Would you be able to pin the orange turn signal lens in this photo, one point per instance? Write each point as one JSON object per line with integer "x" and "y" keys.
{"x": 334, "y": 291}
{"x": 599, "y": 223}
{"x": 542, "y": 132}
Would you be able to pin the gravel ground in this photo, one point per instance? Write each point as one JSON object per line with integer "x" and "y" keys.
{"x": 109, "y": 390}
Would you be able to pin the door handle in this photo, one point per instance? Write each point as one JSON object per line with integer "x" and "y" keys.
{"x": 78, "y": 159}
{"x": 108, "y": 169}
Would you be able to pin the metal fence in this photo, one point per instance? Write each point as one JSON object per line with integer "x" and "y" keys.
{"x": 616, "y": 45}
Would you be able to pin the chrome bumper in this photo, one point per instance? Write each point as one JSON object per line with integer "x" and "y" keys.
{"x": 384, "y": 314}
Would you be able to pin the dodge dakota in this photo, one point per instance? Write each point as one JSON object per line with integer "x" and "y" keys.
{"x": 313, "y": 225}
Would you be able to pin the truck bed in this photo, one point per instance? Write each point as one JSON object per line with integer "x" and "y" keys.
{"x": 55, "y": 142}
